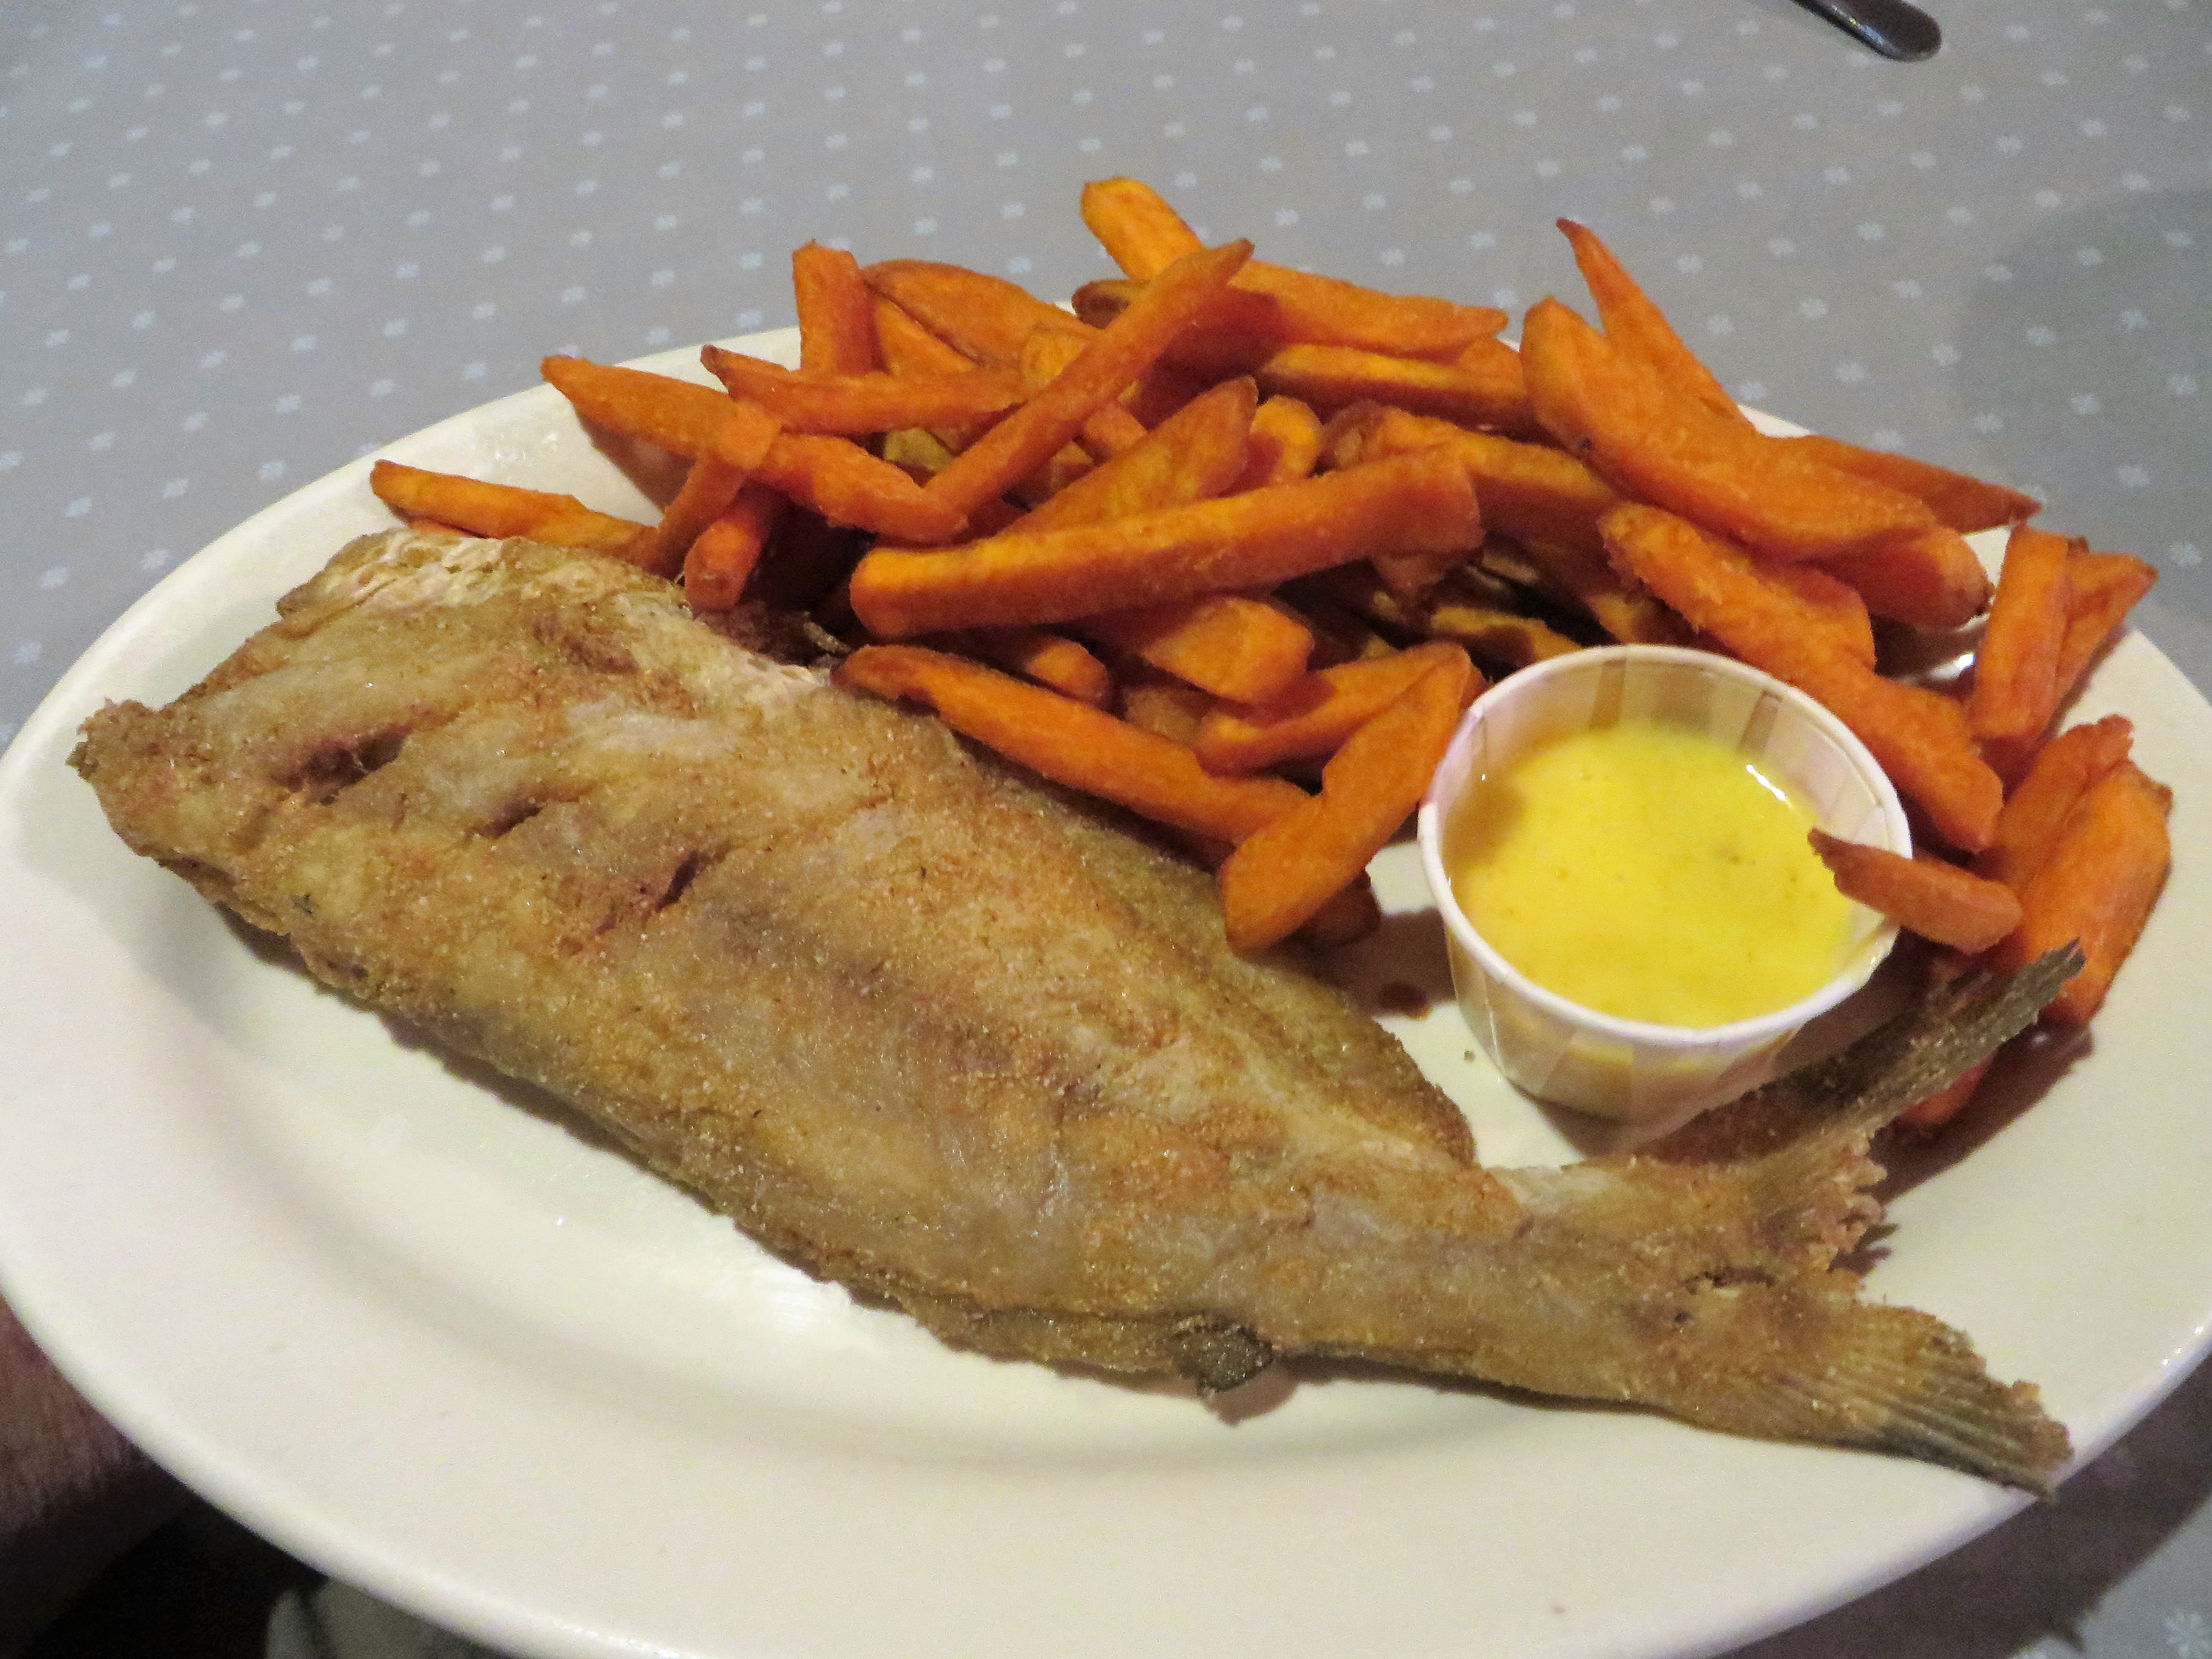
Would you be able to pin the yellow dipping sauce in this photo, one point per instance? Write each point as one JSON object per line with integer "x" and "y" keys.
{"x": 1649, "y": 871}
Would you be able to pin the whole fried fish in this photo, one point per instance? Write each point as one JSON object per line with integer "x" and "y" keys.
{"x": 951, "y": 1040}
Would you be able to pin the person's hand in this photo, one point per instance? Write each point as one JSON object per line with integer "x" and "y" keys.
{"x": 74, "y": 1493}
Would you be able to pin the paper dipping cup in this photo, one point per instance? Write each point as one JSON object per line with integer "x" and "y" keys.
{"x": 1631, "y": 1070}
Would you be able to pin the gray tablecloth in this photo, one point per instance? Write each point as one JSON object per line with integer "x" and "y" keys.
{"x": 243, "y": 241}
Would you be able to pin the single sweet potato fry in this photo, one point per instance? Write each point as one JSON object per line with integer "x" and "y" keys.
{"x": 1224, "y": 643}
{"x": 1961, "y": 502}
{"x": 1285, "y": 443}
{"x": 1661, "y": 446}
{"x": 1072, "y": 742}
{"x": 2097, "y": 886}
{"x": 1134, "y": 224}
{"x": 1285, "y": 871}
{"x": 718, "y": 565}
{"x": 1918, "y": 737}
{"x": 1229, "y": 544}
{"x": 1834, "y": 607}
{"x": 1164, "y": 704}
{"x": 2015, "y": 671}
{"x": 1925, "y": 579}
{"x": 847, "y": 486}
{"x": 986, "y": 317}
{"x": 1482, "y": 388}
{"x": 2101, "y": 589}
{"x": 1143, "y": 234}
{"x": 1317, "y": 714}
{"x": 808, "y": 400}
{"x": 837, "y": 312}
{"x": 1196, "y": 453}
{"x": 2037, "y": 809}
{"x": 1110, "y": 363}
{"x": 1050, "y": 660}
{"x": 476, "y": 509}
{"x": 708, "y": 488}
{"x": 1922, "y": 895}
{"x": 680, "y": 416}
{"x": 1638, "y": 328}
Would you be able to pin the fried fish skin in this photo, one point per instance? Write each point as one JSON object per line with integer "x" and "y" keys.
{"x": 948, "y": 1040}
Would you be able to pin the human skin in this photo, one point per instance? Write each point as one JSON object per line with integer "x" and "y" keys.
{"x": 74, "y": 1493}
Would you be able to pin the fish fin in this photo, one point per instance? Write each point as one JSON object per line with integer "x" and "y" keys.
{"x": 1894, "y": 1380}
{"x": 1859, "y": 1088}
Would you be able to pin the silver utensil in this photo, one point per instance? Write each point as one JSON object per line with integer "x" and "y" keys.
{"x": 1895, "y": 29}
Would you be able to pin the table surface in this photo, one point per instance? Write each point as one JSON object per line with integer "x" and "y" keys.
{"x": 243, "y": 242}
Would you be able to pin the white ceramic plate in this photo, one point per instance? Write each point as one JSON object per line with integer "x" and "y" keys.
{"x": 406, "y": 1321}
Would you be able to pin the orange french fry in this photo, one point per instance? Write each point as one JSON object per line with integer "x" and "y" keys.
{"x": 1317, "y": 715}
{"x": 1927, "y": 579}
{"x": 2101, "y": 589}
{"x": 1164, "y": 704}
{"x": 1286, "y": 443}
{"x": 1143, "y": 234}
{"x": 1283, "y": 872}
{"x": 1196, "y": 453}
{"x": 473, "y": 507}
{"x": 907, "y": 348}
{"x": 434, "y": 527}
{"x": 1106, "y": 366}
{"x": 1503, "y": 639}
{"x": 1413, "y": 577}
{"x": 847, "y": 486}
{"x": 707, "y": 489}
{"x": 719, "y": 563}
{"x": 2064, "y": 770}
{"x": 986, "y": 318}
{"x": 1134, "y": 224}
{"x": 1834, "y": 608}
{"x": 1232, "y": 543}
{"x": 1638, "y": 328}
{"x": 1917, "y": 737}
{"x": 1108, "y": 429}
{"x": 2015, "y": 671}
{"x": 1072, "y": 742}
{"x": 1922, "y": 895}
{"x": 596, "y": 533}
{"x": 1050, "y": 660}
{"x": 1932, "y": 1112}
{"x": 1225, "y": 644}
{"x": 2096, "y": 887}
{"x": 1233, "y": 333}
{"x": 810, "y": 401}
{"x": 1660, "y": 445}
{"x": 1960, "y": 503}
{"x": 1626, "y": 613}
{"x": 1482, "y": 388}
{"x": 1529, "y": 491}
{"x": 682, "y": 417}
{"x": 837, "y": 312}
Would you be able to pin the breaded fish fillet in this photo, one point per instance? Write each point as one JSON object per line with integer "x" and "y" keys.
{"x": 952, "y": 1041}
